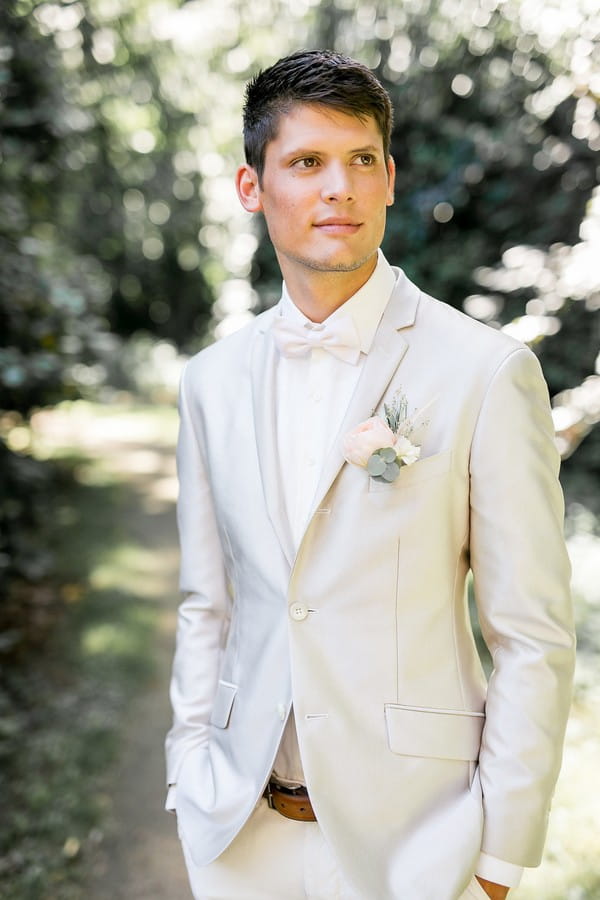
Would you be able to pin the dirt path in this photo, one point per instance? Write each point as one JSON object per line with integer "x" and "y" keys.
{"x": 139, "y": 857}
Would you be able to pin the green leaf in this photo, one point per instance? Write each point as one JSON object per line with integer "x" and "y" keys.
{"x": 392, "y": 470}
{"x": 391, "y": 415}
{"x": 388, "y": 454}
{"x": 376, "y": 465}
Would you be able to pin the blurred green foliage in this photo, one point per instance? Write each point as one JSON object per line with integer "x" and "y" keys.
{"x": 120, "y": 127}
{"x": 98, "y": 236}
{"x": 119, "y": 136}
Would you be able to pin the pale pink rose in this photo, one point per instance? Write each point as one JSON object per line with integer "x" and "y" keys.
{"x": 360, "y": 443}
{"x": 406, "y": 450}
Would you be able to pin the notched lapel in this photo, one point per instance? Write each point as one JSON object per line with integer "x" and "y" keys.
{"x": 381, "y": 364}
{"x": 262, "y": 365}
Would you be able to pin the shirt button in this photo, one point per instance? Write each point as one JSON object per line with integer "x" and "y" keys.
{"x": 298, "y": 612}
{"x": 311, "y": 461}
{"x": 281, "y": 711}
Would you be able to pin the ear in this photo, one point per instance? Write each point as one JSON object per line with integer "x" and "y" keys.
{"x": 248, "y": 188}
{"x": 391, "y": 167}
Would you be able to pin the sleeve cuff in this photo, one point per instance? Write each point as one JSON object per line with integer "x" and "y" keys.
{"x": 171, "y": 797}
{"x": 498, "y": 871}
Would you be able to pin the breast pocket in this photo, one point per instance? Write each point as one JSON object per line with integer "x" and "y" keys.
{"x": 424, "y": 469}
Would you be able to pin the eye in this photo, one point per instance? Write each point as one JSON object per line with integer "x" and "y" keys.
{"x": 306, "y": 162}
{"x": 365, "y": 159}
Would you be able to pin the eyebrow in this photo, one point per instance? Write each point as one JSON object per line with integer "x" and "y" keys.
{"x": 305, "y": 151}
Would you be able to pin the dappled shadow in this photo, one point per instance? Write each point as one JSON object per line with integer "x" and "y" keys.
{"x": 85, "y": 717}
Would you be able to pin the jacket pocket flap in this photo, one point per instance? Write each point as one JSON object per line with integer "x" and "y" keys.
{"x": 223, "y": 702}
{"x": 435, "y": 733}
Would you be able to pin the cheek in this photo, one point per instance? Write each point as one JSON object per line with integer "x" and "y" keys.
{"x": 285, "y": 216}
{"x": 282, "y": 220}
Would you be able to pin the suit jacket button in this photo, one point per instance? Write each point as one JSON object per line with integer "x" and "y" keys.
{"x": 298, "y": 612}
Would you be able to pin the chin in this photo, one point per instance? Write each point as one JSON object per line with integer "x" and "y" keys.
{"x": 336, "y": 263}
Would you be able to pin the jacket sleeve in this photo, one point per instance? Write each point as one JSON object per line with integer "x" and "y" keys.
{"x": 204, "y": 612}
{"x": 521, "y": 579}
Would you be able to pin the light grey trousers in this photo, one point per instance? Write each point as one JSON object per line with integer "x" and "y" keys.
{"x": 274, "y": 858}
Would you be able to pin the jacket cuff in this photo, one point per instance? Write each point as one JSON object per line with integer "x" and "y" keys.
{"x": 171, "y": 798}
{"x": 498, "y": 871}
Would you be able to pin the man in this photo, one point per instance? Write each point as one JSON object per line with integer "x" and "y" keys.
{"x": 344, "y": 461}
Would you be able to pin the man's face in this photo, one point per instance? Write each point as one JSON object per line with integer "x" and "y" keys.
{"x": 324, "y": 191}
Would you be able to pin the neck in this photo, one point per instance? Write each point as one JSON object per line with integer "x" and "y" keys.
{"x": 318, "y": 294}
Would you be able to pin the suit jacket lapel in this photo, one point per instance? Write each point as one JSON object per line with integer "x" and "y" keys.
{"x": 383, "y": 359}
{"x": 263, "y": 367}
{"x": 389, "y": 347}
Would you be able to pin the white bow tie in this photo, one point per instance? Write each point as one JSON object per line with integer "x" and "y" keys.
{"x": 340, "y": 338}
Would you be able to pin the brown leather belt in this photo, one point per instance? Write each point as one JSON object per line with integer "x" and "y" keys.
{"x": 293, "y": 803}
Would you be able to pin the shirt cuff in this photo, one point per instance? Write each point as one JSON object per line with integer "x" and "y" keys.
{"x": 171, "y": 796}
{"x": 498, "y": 871}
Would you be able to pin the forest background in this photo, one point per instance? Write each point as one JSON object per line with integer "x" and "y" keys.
{"x": 123, "y": 248}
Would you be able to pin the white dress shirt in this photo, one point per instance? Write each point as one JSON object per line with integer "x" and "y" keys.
{"x": 313, "y": 393}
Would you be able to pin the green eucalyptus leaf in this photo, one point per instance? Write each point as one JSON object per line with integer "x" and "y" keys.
{"x": 388, "y": 454}
{"x": 392, "y": 470}
{"x": 376, "y": 465}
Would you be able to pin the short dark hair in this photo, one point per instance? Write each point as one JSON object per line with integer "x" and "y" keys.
{"x": 321, "y": 77}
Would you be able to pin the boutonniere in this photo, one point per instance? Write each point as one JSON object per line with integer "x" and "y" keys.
{"x": 383, "y": 445}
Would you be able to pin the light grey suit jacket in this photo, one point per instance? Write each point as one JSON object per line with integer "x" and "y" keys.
{"x": 413, "y": 762}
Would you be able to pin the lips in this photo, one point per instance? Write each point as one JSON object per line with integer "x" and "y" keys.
{"x": 338, "y": 226}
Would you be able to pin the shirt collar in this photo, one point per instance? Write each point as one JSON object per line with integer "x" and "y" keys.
{"x": 365, "y": 307}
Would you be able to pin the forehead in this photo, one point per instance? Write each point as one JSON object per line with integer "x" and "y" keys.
{"x": 316, "y": 126}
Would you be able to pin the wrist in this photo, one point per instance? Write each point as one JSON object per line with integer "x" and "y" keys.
{"x": 493, "y": 890}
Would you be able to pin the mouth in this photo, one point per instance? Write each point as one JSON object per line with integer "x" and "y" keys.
{"x": 335, "y": 225}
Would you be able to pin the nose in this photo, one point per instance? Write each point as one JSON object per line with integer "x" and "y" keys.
{"x": 337, "y": 184}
